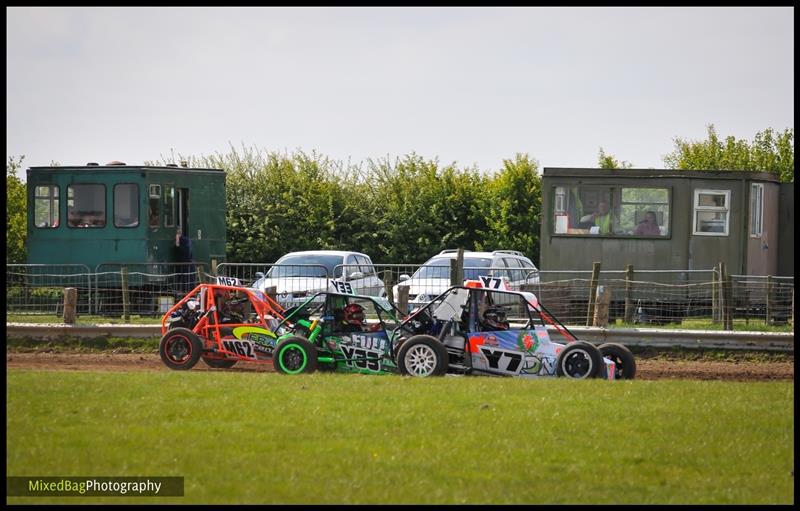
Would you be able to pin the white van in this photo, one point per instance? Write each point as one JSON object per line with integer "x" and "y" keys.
{"x": 433, "y": 277}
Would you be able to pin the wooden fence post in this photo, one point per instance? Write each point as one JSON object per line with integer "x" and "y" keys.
{"x": 388, "y": 281}
{"x": 457, "y": 269}
{"x": 770, "y": 288}
{"x": 214, "y": 266}
{"x": 601, "y": 306}
{"x": 70, "y": 304}
{"x": 592, "y": 291}
{"x": 272, "y": 292}
{"x": 125, "y": 299}
{"x": 402, "y": 297}
{"x": 715, "y": 293}
{"x": 629, "y": 294}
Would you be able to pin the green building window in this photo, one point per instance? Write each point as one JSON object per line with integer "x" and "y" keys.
{"x": 45, "y": 212}
{"x": 155, "y": 201}
{"x": 126, "y": 205}
{"x": 169, "y": 206}
{"x": 86, "y": 205}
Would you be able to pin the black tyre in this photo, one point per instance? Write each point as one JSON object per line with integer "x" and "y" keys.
{"x": 422, "y": 355}
{"x": 218, "y": 363}
{"x": 623, "y": 360}
{"x": 180, "y": 349}
{"x": 295, "y": 355}
{"x": 579, "y": 359}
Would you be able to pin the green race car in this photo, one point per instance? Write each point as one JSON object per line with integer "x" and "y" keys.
{"x": 353, "y": 333}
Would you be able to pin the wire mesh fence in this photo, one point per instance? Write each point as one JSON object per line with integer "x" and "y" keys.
{"x": 643, "y": 297}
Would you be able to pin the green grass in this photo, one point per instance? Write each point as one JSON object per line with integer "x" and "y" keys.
{"x": 331, "y": 438}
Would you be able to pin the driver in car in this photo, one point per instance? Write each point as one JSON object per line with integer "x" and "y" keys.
{"x": 494, "y": 318}
{"x": 353, "y": 319}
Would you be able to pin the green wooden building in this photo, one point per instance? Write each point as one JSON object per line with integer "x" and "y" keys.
{"x": 116, "y": 213}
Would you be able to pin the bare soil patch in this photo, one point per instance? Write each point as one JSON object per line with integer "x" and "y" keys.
{"x": 647, "y": 369}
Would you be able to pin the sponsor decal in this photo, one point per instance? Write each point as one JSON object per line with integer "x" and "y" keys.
{"x": 244, "y": 348}
{"x": 527, "y": 342}
{"x": 343, "y": 287}
{"x": 539, "y": 365}
{"x": 493, "y": 282}
{"x": 500, "y": 360}
{"x": 264, "y": 339}
{"x": 228, "y": 281}
{"x": 359, "y": 348}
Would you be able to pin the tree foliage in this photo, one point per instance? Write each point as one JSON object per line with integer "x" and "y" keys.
{"x": 397, "y": 211}
{"x": 513, "y": 208}
{"x": 16, "y": 213}
{"x": 770, "y": 151}
{"x": 607, "y": 161}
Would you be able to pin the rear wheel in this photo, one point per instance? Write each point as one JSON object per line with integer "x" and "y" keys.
{"x": 422, "y": 355}
{"x": 180, "y": 349}
{"x": 295, "y": 355}
{"x": 218, "y": 363}
{"x": 624, "y": 362}
{"x": 579, "y": 359}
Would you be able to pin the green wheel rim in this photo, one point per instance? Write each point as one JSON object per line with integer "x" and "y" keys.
{"x": 302, "y": 353}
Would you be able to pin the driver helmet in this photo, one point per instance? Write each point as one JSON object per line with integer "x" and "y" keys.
{"x": 354, "y": 315}
{"x": 495, "y": 317}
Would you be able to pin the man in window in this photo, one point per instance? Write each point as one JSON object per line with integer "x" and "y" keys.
{"x": 600, "y": 218}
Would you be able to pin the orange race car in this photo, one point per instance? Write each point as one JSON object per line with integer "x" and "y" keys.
{"x": 220, "y": 323}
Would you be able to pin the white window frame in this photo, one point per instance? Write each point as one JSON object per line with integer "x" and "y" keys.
{"x": 715, "y": 209}
{"x": 757, "y": 223}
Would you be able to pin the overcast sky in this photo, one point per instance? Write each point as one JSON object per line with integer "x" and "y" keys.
{"x": 467, "y": 85}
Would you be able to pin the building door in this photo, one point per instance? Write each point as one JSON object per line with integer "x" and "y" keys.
{"x": 183, "y": 210}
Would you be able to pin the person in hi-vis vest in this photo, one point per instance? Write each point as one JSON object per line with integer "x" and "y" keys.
{"x": 601, "y": 218}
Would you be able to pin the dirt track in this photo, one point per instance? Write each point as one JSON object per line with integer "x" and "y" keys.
{"x": 647, "y": 369}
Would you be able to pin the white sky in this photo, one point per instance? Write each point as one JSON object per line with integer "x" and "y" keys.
{"x": 470, "y": 85}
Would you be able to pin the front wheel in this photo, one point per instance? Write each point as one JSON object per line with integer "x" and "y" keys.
{"x": 295, "y": 355}
{"x": 180, "y": 348}
{"x": 579, "y": 359}
{"x": 422, "y": 355}
{"x": 624, "y": 363}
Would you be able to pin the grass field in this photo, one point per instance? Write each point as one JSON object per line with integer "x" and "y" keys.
{"x": 329, "y": 438}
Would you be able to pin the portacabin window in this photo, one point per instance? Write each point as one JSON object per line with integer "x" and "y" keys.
{"x": 756, "y": 209}
{"x": 45, "y": 209}
{"x": 170, "y": 203}
{"x": 154, "y": 204}
{"x": 711, "y": 212}
{"x": 126, "y": 205}
{"x": 611, "y": 210}
{"x": 86, "y": 205}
